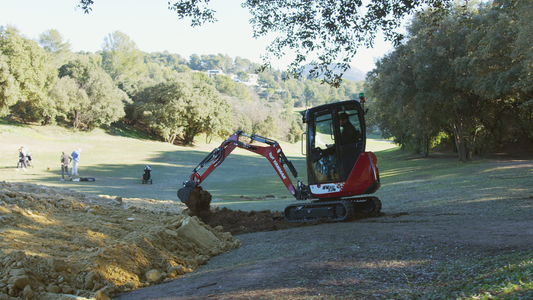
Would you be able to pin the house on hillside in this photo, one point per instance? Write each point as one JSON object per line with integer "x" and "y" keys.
{"x": 212, "y": 73}
{"x": 252, "y": 79}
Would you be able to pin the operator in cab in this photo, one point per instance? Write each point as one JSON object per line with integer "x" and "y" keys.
{"x": 349, "y": 134}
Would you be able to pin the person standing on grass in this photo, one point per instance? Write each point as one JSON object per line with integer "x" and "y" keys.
{"x": 65, "y": 160}
{"x": 22, "y": 159}
{"x": 75, "y": 161}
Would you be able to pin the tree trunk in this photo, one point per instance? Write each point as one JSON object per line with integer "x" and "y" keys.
{"x": 76, "y": 120}
{"x": 172, "y": 138}
{"x": 460, "y": 141}
{"x": 425, "y": 145}
{"x": 190, "y": 133}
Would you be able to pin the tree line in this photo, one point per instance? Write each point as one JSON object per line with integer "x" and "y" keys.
{"x": 462, "y": 76}
{"x": 165, "y": 94}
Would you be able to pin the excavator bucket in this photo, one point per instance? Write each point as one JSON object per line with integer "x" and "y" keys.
{"x": 196, "y": 199}
{"x": 184, "y": 193}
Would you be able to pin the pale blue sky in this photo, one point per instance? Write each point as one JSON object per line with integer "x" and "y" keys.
{"x": 153, "y": 28}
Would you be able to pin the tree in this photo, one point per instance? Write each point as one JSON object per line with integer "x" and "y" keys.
{"x": 332, "y": 30}
{"x": 123, "y": 61}
{"x": 69, "y": 99}
{"x": 195, "y": 62}
{"x": 26, "y": 76}
{"x": 103, "y": 103}
{"x": 217, "y": 62}
{"x": 52, "y": 41}
{"x": 457, "y": 74}
{"x": 523, "y": 55}
{"x": 166, "y": 59}
{"x": 8, "y": 88}
{"x": 184, "y": 106}
{"x": 242, "y": 65}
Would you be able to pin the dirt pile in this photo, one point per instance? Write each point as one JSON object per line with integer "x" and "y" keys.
{"x": 56, "y": 241}
{"x": 239, "y": 222}
{"x": 236, "y": 221}
{"x": 199, "y": 201}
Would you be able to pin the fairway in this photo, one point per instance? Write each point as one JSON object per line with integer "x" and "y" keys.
{"x": 117, "y": 161}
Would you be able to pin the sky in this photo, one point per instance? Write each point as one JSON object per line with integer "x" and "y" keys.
{"x": 154, "y": 28}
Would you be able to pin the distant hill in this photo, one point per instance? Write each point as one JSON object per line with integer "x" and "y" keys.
{"x": 352, "y": 74}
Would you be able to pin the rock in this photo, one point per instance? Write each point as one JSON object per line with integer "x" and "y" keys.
{"x": 89, "y": 280}
{"x": 153, "y": 276}
{"x": 28, "y": 292}
{"x": 100, "y": 295}
{"x": 130, "y": 285}
{"x": 193, "y": 232}
{"x": 19, "y": 282}
{"x": 66, "y": 289}
{"x": 17, "y": 272}
{"x": 174, "y": 271}
{"x": 54, "y": 289}
{"x": 11, "y": 290}
{"x": 97, "y": 286}
{"x": 58, "y": 265}
{"x": 171, "y": 232}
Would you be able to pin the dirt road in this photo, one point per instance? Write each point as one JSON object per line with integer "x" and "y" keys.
{"x": 388, "y": 257}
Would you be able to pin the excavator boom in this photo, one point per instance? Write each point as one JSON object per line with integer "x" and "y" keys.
{"x": 272, "y": 151}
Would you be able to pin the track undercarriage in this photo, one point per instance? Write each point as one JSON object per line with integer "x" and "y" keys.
{"x": 336, "y": 210}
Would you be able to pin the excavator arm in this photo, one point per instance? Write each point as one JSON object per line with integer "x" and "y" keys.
{"x": 272, "y": 151}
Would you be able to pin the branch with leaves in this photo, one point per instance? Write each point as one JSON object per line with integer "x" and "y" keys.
{"x": 323, "y": 33}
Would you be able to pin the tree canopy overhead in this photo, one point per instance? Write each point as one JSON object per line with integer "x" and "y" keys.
{"x": 460, "y": 77}
{"x": 331, "y": 30}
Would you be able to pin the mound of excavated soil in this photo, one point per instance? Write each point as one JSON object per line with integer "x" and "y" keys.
{"x": 240, "y": 222}
{"x": 56, "y": 241}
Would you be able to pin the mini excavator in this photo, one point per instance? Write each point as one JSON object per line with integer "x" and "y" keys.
{"x": 341, "y": 174}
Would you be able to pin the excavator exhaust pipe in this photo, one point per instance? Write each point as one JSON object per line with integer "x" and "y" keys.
{"x": 184, "y": 192}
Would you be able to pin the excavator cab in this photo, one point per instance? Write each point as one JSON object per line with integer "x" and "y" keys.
{"x": 335, "y": 138}
{"x": 337, "y": 164}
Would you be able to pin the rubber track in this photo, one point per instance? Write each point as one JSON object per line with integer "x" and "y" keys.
{"x": 308, "y": 212}
{"x": 331, "y": 209}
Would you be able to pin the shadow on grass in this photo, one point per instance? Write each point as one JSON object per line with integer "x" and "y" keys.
{"x": 124, "y": 130}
